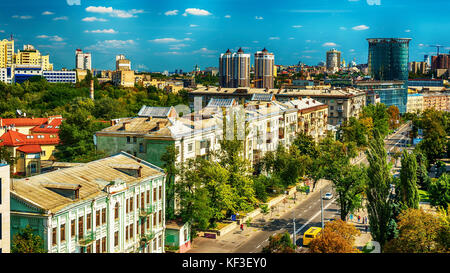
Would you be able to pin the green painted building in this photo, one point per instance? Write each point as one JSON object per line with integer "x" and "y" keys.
{"x": 112, "y": 205}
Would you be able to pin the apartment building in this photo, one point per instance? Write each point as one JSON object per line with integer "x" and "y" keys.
{"x": 111, "y": 205}
{"x": 415, "y": 103}
{"x": 7, "y": 75}
{"x": 6, "y": 53}
{"x": 4, "y": 209}
{"x": 343, "y": 103}
{"x": 436, "y": 100}
{"x": 30, "y": 56}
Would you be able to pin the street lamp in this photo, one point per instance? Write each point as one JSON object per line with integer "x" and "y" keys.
{"x": 321, "y": 206}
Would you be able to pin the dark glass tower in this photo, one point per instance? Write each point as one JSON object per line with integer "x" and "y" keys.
{"x": 388, "y": 58}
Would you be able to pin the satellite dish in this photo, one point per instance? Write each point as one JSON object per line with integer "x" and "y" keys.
{"x": 19, "y": 112}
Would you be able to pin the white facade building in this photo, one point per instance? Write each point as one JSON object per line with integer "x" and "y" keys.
{"x": 83, "y": 60}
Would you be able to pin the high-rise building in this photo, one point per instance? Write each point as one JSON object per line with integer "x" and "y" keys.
{"x": 6, "y": 53}
{"x": 83, "y": 60}
{"x": 122, "y": 63}
{"x": 441, "y": 61}
{"x": 32, "y": 57}
{"x": 418, "y": 67}
{"x": 333, "y": 60}
{"x": 264, "y": 65}
{"x": 241, "y": 69}
{"x": 225, "y": 69}
{"x": 388, "y": 58}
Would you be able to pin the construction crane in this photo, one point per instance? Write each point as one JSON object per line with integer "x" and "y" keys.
{"x": 437, "y": 46}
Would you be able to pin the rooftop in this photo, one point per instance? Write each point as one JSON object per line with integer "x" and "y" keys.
{"x": 91, "y": 179}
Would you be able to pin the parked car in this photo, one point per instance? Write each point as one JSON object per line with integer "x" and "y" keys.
{"x": 328, "y": 196}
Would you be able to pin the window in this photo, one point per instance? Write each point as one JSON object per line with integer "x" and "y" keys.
{"x": 72, "y": 228}
{"x": 160, "y": 217}
{"x": 134, "y": 139}
{"x": 160, "y": 192}
{"x": 103, "y": 215}
{"x": 132, "y": 231}
{"x": 154, "y": 219}
{"x": 62, "y": 232}
{"x": 97, "y": 218}
{"x": 137, "y": 227}
{"x": 148, "y": 223}
{"x": 80, "y": 227}
{"x": 190, "y": 147}
{"x": 142, "y": 227}
{"x": 89, "y": 249}
{"x": 128, "y": 206}
{"x": 116, "y": 211}
{"x": 88, "y": 221}
{"x": 116, "y": 238}
{"x": 142, "y": 200}
{"x": 141, "y": 147}
{"x": 154, "y": 194}
{"x": 148, "y": 197}
{"x": 131, "y": 204}
{"x": 54, "y": 236}
{"x": 128, "y": 139}
{"x": 104, "y": 244}
{"x": 97, "y": 246}
{"x": 127, "y": 233}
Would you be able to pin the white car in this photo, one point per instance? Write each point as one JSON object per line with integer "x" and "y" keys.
{"x": 328, "y": 196}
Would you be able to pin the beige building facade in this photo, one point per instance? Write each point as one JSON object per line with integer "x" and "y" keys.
{"x": 4, "y": 209}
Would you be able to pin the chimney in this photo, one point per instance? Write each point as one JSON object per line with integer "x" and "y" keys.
{"x": 91, "y": 92}
{"x": 159, "y": 125}
{"x": 139, "y": 171}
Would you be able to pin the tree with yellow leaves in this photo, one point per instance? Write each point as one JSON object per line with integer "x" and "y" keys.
{"x": 336, "y": 237}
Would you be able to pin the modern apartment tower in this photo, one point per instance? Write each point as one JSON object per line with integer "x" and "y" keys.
{"x": 6, "y": 53}
{"x": 225, "y": 69}
{"x": 333, "y": 60}
{"x": 83, "y": 60}
{"x": 241, "y": 69}
{"x": 264, "y": 63}
{"x": 122, "y": 63}
{"x": 388, "y": 58}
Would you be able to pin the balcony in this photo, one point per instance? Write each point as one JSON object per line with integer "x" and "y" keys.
{"x": 146, "y": 238}
{"x": 147, "y": 211}
{"x": 87, "y": 239}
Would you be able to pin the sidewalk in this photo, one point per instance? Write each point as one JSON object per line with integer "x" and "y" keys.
{"x": 364, "y": 237}
{"x": 232, "y": 240}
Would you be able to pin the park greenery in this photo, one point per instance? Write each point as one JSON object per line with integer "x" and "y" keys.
{"x": 83, "y": 117}
{"x": 25, "y": 241}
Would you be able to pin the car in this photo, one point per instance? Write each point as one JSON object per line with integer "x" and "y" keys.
{"x": 328, "y": 196}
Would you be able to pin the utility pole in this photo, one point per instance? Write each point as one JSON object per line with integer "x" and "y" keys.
{"x": 321, "y": 205}
{"x": 295, "y": 240}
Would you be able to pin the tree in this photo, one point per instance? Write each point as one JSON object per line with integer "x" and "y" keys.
{"x": 280, "y": 243}
{"x": 378, "y": 192}
{"x": 439, "y": 190}
{"x": 394, "y": 116}
{"x": 355, "y": 130}
{"x": 418, "y": 233}
{"x": 349, "y": 185}
{"x": 407, "y": 190}
{"x": 6, "y": 156}
{"x": 380, "y": 117}
{"x": 336, "y": 237}
{"x": 27, "y": 242}
{"x": 169, "y": 158}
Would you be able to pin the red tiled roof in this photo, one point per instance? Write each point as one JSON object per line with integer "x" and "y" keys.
{"x": 30, "y": 149}
{"x": 14, "y": 138}
{"x": 48, "y": 128}
{"x": 18, "y": 122}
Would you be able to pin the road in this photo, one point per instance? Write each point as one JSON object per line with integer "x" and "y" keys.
{"x": 306, "y": 214}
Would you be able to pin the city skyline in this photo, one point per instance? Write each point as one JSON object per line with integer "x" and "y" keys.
{"x": 172, "y": 35}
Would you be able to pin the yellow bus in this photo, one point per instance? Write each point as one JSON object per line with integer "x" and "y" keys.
{"x": 310, "y": 234}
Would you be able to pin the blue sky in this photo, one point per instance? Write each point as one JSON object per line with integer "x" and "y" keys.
{"x": 169, "y": 35}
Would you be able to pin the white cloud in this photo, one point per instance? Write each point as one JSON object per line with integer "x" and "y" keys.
{"x": 47, "y": 13}
{"x": 227, "y": 16}
{"x": 2, "y": 31}
{"x": 177, "y": 46}
{"x": 342, "y": 28}
{"x": 189, "y": 33}
{"x": 291, "y": 38}
{"x": 192, "y": 25}
{"x": 114, "y": 12}
{"x": 274, "y": 38}
{"x": 110, "y": 44}
{"x": 171, "y": 12}
{"x": 165, "y": 40}
{"x": 55, "y": 38}
{"x": 23, "y": 17}
{"x": 408, "y": 30}
{"x": 142, "y": 67}
{"x": 297, "y": 26}
{"x": 93, "y": 19}
{"x": 352, "y": 50}
{"x": 196, "y": 12}
{"x": 259, "y": 17}
{"x": 73, "y": 2}
{"x": 421, "y": 45}
{"x": 204, "y": 50}
{"x": 329, "y": 44}
{"x": 360, "y": 27}
{"x": 106, "y": 31}
{"x": 61, "y": 18}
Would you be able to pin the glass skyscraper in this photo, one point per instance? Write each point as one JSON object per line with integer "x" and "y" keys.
{"x": 388, "y": 58}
